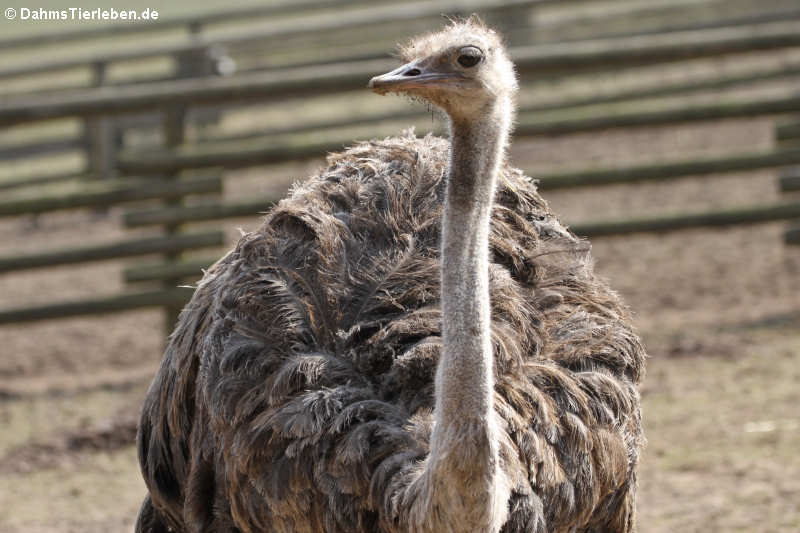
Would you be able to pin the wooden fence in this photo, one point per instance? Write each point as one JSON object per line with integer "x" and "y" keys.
{"x": 275, "y": 32}
{"x": 97, "y": 105}
{"x": 169, "y": 174}
{"x": 203, "y": 56}
{"x": 544, "y": 60}
{"x": 509, "y": 13}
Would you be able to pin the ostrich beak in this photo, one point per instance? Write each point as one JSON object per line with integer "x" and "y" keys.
{"x": 411, "y": 76}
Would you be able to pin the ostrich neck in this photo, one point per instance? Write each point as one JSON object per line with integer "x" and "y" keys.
{"x": 465, "y": 376}
{"x": 464, "y": 465}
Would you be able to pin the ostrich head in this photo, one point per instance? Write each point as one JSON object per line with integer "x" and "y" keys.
{"x": 461, "y": 69}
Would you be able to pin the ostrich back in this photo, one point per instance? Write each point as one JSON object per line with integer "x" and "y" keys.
{"x": 297, "y": 390}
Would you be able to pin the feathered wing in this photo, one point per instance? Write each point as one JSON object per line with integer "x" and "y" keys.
{"x": 297, "y": 391}
{"x": 169, "y": 423}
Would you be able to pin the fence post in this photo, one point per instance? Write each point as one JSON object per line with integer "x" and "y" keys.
{"x": 100, "y": 134}
{"x": 195, "y": 28}
{"x": 174, "y": 135}
{"x": 211, "y": 60}
{"x": 788, "y": 134}
{"x": 189, "y": 64}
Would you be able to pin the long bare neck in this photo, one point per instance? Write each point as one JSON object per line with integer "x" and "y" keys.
{"x": 464, "y": 443}
{"x": 465, "y": 383}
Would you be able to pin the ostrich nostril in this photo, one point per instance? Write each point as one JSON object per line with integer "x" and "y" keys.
{"x": 412, "y": 72}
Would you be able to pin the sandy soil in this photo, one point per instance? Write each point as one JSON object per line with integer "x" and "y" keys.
{"x": 718, "y": 309}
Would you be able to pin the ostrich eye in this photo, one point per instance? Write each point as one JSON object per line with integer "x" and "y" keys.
{"x": 469, "y": 56}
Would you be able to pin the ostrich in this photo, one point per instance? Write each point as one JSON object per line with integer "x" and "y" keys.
{"x": 410, "y": 342}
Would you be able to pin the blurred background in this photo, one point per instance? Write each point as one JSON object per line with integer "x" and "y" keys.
{"x": 133, "y": 152}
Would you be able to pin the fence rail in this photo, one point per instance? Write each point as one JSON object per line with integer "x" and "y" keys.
{"x": 197, "y": 213}
{"x": 29, "y": 181}
{"x": 190, "y": 268}
{"x": 672, "y": 170}
{"x": 98, "y": 306}
{"x": 117, "y": 250}
{"x": 101, "y": 194}
{"x": 682, "y": 221}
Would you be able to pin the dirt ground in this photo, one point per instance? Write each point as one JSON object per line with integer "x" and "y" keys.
{"x": 718, "y": 309}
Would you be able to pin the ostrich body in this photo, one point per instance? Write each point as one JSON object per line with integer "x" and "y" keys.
{"x": 411, "y": 342}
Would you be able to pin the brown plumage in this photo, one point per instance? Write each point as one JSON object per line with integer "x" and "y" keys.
{"x": 297, "y": 391}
